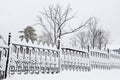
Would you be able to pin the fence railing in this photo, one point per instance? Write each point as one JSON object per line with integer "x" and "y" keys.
{"x": 72, "y": 59}
{"x": 34, "y": 58}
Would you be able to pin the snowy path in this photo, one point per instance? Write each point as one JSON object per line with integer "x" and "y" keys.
{"x": 70, "y": 75}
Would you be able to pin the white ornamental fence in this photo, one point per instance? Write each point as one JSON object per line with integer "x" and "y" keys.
{"x": 33, "y": 58}
{"x": 72, "y": 59}
{"x": 42, "y": 58}
{"x": 3, "y": 60}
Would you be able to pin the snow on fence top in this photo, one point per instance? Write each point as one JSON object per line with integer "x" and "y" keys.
{"x": 95, "y": 50}
{"x": 35, "y": 44}
{"x": 74, "y": 48}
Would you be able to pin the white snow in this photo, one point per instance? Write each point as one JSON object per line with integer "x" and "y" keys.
{"x": 71, "y": 75}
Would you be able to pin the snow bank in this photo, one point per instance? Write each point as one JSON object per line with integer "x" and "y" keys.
{"x": 71, "y": 75}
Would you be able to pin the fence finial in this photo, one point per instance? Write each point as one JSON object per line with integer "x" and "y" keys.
{"x": 88, "y": 47}
{"x": 58, "y": 44}
{"x": 9, "y": 39}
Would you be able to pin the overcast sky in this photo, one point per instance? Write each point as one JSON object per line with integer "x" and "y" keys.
{"x": 15, "y": 15}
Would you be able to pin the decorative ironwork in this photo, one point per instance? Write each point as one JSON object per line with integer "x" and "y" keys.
{"x": 34, "y": 59}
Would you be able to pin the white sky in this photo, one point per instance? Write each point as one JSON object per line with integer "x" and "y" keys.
{"x": 15, "y": 15}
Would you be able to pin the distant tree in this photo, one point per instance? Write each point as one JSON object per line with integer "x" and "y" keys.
{"x": 83, "y": 39}
{"x": 28, "y": 34}
{"x": 80, "y": 40}
{"x": 106, "y": 39}
{"x": 92, "y": 31}
{"x": 94, "y": 36}
{"x": 45, "y": 38}
{"x": 74, "y": 42}
{"x": 55, "y": 20}
{"x": 100, "y": 38}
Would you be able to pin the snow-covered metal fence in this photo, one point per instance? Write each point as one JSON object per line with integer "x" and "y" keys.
{"x": 33, "y": 58}
{"x": 3, "y": 60}
{"x": 72, "y": 59}
{"x": 27, "y": 57}
{"x": 99, "y": 60}
{"x": 115, "y": 60}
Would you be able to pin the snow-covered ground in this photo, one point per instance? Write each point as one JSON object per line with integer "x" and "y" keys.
{"x": 71, "y": 75}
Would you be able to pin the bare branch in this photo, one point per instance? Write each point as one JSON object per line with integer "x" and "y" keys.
{"x": 41, "y": 23}
{"x": 75, "y": 30}
{"x": 57, "y": 18}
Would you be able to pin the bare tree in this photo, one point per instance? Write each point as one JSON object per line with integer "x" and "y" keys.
{"x": 54, "y": 19}
{"x": 92, "y": 31}
{"x": 45, "y": 38}
{"x": 81, "y": 39}
{"x": 74, "y": 42}
{"x": 95, "y": 37}
{"x": 106, "y": 39}
{"x": 100, "y": 38}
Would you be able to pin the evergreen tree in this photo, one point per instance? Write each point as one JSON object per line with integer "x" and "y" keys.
{"x": 28, "y": 34}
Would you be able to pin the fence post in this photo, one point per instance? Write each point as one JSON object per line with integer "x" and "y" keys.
{"x": 59, "y": 53}
{"x": 88, "y": 48}
{"x": 9, "y": 40}
{"x": 58, "y": 44}
{"x": 108, "y": 50}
